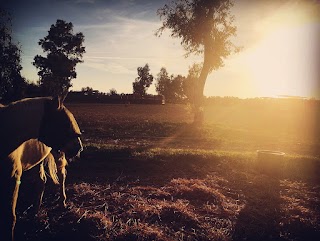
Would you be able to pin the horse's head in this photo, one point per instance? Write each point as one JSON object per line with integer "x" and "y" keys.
{"x": 59, "y": 128}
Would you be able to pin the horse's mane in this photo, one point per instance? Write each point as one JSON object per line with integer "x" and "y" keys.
{"x": 26, "y": 103}
{"x": 52, "y": 166}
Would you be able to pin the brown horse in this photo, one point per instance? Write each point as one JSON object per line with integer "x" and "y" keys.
{"x": 43, "y": 118}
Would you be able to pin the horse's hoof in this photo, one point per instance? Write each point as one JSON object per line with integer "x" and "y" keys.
{"x": 64, "y": 206}
{"x": 68, "y": 207}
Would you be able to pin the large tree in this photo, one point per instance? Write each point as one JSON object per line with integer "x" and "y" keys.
{"x": 64, "y": 51}
{"x": 204, "y": 27}
{"x": 12, "y": 84}
{"x": 143, "y": 81}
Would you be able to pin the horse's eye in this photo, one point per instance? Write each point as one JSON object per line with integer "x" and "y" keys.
{"x": 74, "y": 135}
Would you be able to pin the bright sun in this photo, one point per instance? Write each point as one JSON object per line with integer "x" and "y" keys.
{"x": 285, "y": 61}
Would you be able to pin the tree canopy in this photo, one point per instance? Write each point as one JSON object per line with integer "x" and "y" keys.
{"x": 12, "y": 84}
{"x": 64, "y": 51}
{"x": 204, "y": 27}
{"x": 143, "y": 81}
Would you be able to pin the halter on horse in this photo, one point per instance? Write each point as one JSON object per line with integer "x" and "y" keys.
{"x": 43, "y": 118}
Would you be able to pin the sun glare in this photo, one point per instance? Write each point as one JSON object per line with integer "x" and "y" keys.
{"x": 284, "y": 62}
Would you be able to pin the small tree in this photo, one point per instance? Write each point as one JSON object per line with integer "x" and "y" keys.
{"x": 87, "y": 90}
{"x": 204, "y": 27}
{"x": 143, "y": 81}
{"x": 163, "y": 81}
{"x": 113, "y": 92}
{"x": 177, "y": 88}
{"x": 170, "y": 86}
{"x": 64, "y": 51}
{"x": 190, "y": 82}
{"x": 12, "y": 84}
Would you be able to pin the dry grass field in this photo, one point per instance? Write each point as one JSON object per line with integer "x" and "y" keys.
{"x": 147, "y": 173}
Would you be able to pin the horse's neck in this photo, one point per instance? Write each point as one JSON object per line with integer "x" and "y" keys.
{"x": 30, "y": 118}
{"x": 20, "y": 122}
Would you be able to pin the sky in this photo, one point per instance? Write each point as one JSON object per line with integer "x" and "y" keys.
{"x": 279, "y": 38}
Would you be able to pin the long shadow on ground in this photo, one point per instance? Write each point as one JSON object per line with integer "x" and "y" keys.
{"x": 280, "y": 205}
{"x": 260, "y": 218}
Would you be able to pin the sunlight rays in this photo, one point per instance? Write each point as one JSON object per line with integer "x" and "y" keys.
{"x": 284, "y": 61}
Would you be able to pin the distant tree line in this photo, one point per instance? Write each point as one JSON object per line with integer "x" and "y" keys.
{"x": 112, "y": 98}
{"x": 174, "y": 88}
{"x": 178, "y": 88}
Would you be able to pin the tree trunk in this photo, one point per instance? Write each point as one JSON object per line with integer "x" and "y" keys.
{"x": 199, "y": 88}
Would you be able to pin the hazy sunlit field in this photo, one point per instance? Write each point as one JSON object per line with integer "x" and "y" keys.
{"x": 147, "y": 173}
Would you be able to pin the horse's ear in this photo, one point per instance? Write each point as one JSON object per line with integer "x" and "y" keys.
{"x": 57, "y": 101}
{"x": 63, "y": 96}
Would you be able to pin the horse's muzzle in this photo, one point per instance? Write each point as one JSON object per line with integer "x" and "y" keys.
{"x": 73, "y": 148}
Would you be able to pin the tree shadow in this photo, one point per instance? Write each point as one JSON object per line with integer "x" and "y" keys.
{"x": 280, "y": 202}
{"x": 259, "y": 219}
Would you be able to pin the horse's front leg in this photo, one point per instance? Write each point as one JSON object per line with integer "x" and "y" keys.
{"x": 62, "y": 174}
{"x": 9, "y": 189}
{"x": 40, "y": 186}
{"x": 61, "y": 163}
